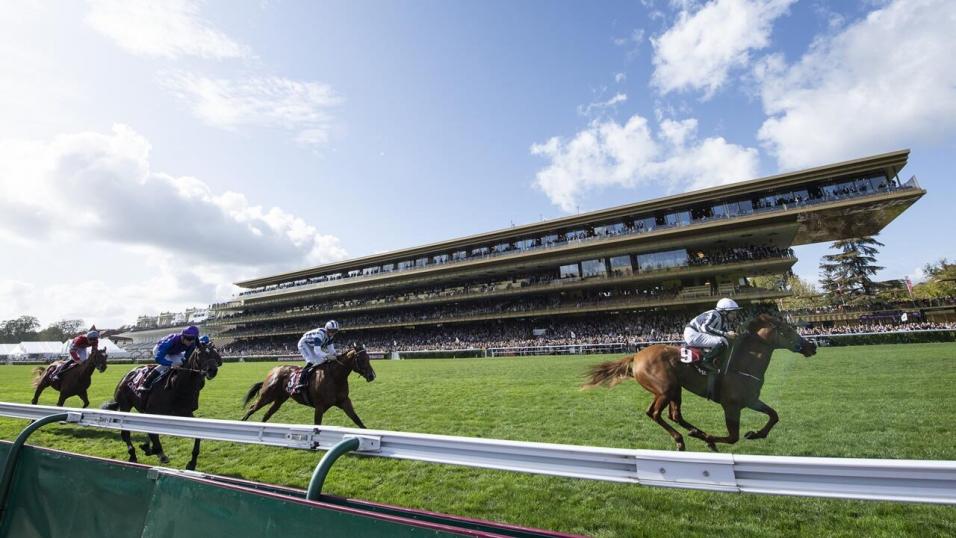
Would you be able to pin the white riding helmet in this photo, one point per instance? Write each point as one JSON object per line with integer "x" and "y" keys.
{"x": 726, "y": 305}
{"x": 332, "y": 325}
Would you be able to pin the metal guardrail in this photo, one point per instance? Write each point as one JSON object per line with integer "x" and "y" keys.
{"x": 868, "y": 479}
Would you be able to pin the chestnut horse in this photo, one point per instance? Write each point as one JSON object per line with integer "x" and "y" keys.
{"x": 73, "y": 382}
{"x": 328, "y": 387}
{"x": 176, "y": 395}
{"x": 659, "y": 370}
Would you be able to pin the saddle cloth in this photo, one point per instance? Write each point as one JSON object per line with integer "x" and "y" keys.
{"x": 293, "y": 381}
{"x": 691, "y": 355}
{"x": 137, "y": 378}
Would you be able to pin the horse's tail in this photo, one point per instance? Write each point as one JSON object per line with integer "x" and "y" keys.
{"x": 111, "y": 405}
{"x": 38, "y": 375}
{"x": 609, "y": 373}
{"x": 253, "y": 390}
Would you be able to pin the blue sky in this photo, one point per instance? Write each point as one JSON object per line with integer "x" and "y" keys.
{"x": 151, "y": 154}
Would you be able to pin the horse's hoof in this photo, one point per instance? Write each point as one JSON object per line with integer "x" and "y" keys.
{"x": 712, "y": 447}
{"x": 147, "y": 449}
{"x": 190, "y": 466}
{"x": 132, "y": 458}
{"x": 163, "y": 459}
{"x": 751, "y": 435}
{"x": 680, "y": 447}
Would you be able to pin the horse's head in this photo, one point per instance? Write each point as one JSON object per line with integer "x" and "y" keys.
{"x": 207, "y": 360}
{"x": 779, "y": 334}
{"x": 98, "y": 359}
{"x": 360, "y": 362}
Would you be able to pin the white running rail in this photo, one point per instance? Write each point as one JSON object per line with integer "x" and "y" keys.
{"x": 869, "y": 479}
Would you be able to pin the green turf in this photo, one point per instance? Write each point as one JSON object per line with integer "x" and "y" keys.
{"x": 871, "y": 401}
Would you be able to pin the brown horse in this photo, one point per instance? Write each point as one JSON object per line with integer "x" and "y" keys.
{"x": 176, "y": 395}
{"x": 328, "y": 387}
{"x": 659, "y": 370}
{"x": 73, "y": 382}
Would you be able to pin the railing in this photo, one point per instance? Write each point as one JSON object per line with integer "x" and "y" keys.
{"x": 849, "y": 478}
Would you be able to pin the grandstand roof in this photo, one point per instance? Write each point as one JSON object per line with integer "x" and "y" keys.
{"x": 890, "y": 163}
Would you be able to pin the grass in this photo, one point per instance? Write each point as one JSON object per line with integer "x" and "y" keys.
{"x": 869, "y": 401}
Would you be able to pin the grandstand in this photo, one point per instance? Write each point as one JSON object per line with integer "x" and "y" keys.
{"x": 633, "y": 271}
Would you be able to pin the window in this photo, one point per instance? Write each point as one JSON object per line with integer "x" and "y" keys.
{"x": 657, "y": 261}
{"x": 645, "y": 224}
{"x": 681, "y": 218}
{"x": 576, "y": 234}
{"x": 591, "y": 268}
{"x": 524, "y": 244}
{"x": 570, "y": 271}
{"x": 388, "y": 267}
{"x": 502, "y": 247}
{"x": 621, "y": 265}
{"x": 370, "y": 270}
{"x": 353, "y": 272}
{"x": 615, "y": 229}
{"x": 441, "y": 258}
{"x": 405, "y": 265}
{"x": 549, "y": 240}
{"x": 719, "y": 211}
{"x": 480, "y": 251}
{"x": 459, "y": 255}
{"x": 421, "y": 262}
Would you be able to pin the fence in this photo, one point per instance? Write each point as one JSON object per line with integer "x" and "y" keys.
{"x": 868, "y": 479}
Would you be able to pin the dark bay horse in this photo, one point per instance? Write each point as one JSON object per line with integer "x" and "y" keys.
{"x": 175, "y": 395}
{"x": 328, "y": 387}
{"x": 73, "y": 382}
{"x": 659, "y": 370}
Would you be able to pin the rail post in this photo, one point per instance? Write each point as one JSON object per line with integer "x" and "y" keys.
{"x": 322, "y": 469}
{"x": 15, "y": 451}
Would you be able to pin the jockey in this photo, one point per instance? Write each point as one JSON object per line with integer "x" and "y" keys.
{"x": 316, "y": 347}
{"x": 78, "y": 352}
{"x": 170, "y": 352}
{"x": 707, "y": 331}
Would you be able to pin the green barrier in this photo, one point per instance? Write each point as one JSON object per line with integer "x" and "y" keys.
{"x": 58, "y": 495}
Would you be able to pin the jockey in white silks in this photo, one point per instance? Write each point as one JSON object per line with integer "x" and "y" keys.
{"x": 316, "y": 348}
{"x": 708, "y": 331}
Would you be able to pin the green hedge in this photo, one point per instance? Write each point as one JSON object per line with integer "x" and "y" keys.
{"x": 891, "y": 338}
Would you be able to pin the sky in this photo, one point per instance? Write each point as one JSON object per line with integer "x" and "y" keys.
{"x": 152, "y": 153}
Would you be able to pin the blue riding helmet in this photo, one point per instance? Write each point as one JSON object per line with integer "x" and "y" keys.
{"x": 93, "y": 335}
{"x": 204, "y": 340}
{"x": 191, "y": 332}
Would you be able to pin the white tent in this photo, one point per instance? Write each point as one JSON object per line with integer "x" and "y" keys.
{"x": 7, "y": 351}
{"x": 38, "y": 350}
{"x": 112, "y": 350}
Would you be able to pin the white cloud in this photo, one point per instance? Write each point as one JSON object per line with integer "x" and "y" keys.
{"x": 886, "y": 81}
{"x": 617, "y": 99}
{"x": 702, "y": 47}
{"x": 263, "y": 102}
{"x": 620, "y": 77}
{"x": 630, "y": 155}
{"x": 89, "y": 188}
{"x": 171, "y": 28}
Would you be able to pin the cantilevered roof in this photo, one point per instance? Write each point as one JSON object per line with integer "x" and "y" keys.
{"x": 889, "y": 163}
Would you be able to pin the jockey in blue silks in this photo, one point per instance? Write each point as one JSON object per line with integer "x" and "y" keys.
{"x": 708, "y": 331}
{"x": 171, "y": 351}
{"x": 316, "y": 348}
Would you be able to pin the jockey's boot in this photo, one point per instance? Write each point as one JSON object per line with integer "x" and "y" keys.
{"x": 707, "y": 361}
{"x": 61, "y": 369}
{"x": 304, "y": 378}
{"x": 151, "y": 378}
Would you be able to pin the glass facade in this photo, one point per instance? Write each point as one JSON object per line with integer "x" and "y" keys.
{"x": 657, "y": 261}
{"x": 593, "y": 268}
{"x": 570, "y": 271}
{"x": 621, "y": 265}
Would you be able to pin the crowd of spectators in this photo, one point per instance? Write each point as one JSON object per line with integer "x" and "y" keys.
{"x": 862, "y": 328}
{"x": 875, "y": 306}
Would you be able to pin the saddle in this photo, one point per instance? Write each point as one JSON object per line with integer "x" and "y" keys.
{"x": 137, "y": 378}
{"x": 692, "y": 356}
{"x": 293, "y": 383}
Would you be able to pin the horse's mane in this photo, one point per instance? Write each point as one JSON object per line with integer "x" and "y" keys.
{"x": 760, "y": 321}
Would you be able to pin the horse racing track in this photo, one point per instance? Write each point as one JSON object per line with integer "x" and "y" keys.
{"x": 867, "y": 401}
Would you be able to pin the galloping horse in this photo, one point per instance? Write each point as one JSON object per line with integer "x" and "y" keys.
{"x": 73, "y": 382}
{"x": 659, "y": 370}
{"x": 177, "y": 396}
{"x": 328, "y": 387}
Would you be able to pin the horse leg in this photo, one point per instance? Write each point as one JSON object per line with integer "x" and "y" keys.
{"x": 260, "y": 402}
{"x": 317, "y": 418}
{"x": 767, "y": 410}
{"x": 275, "y": 407}
{"x": 124, "y": 435}
{"x": 158, "y": 448}
{"x": 732, "y": 418}
{"x": 693, "y": 431}
{"x": 346, "y": 406}
{"x": 191, "y": 466}
{"x": 83, "y": 396}
{"x": 36, "y": 395}
{"x": 654, "y": 411}
{"x": 61, "y": 399}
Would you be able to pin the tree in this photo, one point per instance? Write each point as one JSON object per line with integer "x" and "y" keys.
{"x": 940, "y": 280}
{"x": 849, "y": 272}
{"x": 61, "y": 330}
{"x": 17, "y": 330}
{"x": 804, "y": 293}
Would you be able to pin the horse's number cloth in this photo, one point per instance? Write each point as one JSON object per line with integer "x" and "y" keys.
{"x": 690, "y": 355}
